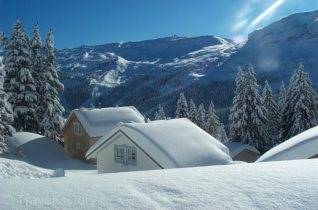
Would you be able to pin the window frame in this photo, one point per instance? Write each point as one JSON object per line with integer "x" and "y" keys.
{"x": 127, "y": 155}
{"x": 77, "y": 128}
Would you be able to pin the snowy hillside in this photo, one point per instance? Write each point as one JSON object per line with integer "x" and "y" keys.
{"x": 150, "y": 72}
{"x": 277, "y": 49}
{"x": 105, "y": 70}
{"x": 273, "y": 185}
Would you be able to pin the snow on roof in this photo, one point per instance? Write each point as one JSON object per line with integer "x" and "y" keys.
{"x": 302, "y": 146}
{"x": 98, "y": 122}
{"x": 236, "y": 147}
{"x": 172, "y": 143}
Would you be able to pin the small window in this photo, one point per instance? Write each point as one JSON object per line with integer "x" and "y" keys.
{"x": 131, "y": 155}
{"x": 119, "y": 153}
{"x": 77, "y": 128}
{"x": 125, "y": 154}
{"x": 78, "y": 146}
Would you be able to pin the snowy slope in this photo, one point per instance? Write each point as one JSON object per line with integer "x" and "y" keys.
{"x": 43, "y": 152}
{"x": 152, "y": 72}
{"x": 175, "y": 61}
{"x": 302, "y": 146}
{"x": 19, "y": 169}
{"x": 275, "y": 185}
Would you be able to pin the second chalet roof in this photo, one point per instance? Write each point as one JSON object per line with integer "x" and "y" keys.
{"x": 172, "y": 143}
{"x": 236, "y": 147}
{"x": 98, "y": 122}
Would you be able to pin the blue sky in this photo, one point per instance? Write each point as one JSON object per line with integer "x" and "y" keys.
{"x": 80, "y": 22}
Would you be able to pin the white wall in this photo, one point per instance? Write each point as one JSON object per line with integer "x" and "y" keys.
{"x": 106, "y": 160}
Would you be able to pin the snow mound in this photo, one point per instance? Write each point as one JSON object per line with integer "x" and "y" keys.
{"x": 19, "y": 169}
{"x": 272, "y": 185}
{"x": 302, "y": 146}
{"x": 43, "y": 152}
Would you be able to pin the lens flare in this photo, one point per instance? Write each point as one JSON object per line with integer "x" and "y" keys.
{"x": 266, "y": 13}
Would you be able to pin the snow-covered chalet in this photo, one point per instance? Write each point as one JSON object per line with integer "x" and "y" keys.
{"x": 159, "y": 144}
{"x": 85, "y": 126}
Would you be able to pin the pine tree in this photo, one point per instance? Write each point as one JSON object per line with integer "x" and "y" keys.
{"x": 272, "y": 116}
{"x": 182, "y": 110}
{"x": 3, "y": 39}
{"x": 6, "y": 116}
{"x": 160, "y": 113}
{"x": 299, "y": 112}
{"x": 254, "y": 120}
{"x": 201, "y": 117}
{"x": 236, "y": 112}
{"x": 213, "y": 125}
{"x": 37, "y": 72}
{"x": 19, "y": 83}
{"x": 52, "y": 118}
{"x": 193, "y": 113}
{"x": 282, "y": 97}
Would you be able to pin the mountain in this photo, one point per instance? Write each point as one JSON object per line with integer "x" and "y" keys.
{"x": 279, "y": 48}
{"x": 146, "y": 73}
{"x": 142, "y": 73}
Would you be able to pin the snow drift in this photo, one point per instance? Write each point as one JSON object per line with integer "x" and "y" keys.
{"x": 302, "y": 146}
{"x": 19, "y": 169}
{"x": 43, "y": 152}
{"x": 272, "y": 185}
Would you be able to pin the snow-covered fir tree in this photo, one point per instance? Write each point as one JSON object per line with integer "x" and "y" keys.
{"x": 253, "y": 118}
{"x": 6, "y": 116}
{"x": 213, "y": 125}
{"x": 281, "y": 97}
{"x": 201, "y": 117}
{"x": 2, "y": 39}
{"x": 272, "y": 115}
{"x": 182, "y": 110}
{"x": 52, "y": 118}
{"x": 299, "y": 112}
{"x": 160, "y": 113}
{"x": 236, "y": 112}
{"x": 19, "y": 83}
{"x": 193, "y": 113}
{"x": 38, "y": 72}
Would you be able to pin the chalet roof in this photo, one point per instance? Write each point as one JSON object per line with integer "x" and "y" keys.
{"x": 99, "y": 121}
{"x": 236, "y": 147}
{"x": 172, "y": 143}
{"x": 301, "y": 146}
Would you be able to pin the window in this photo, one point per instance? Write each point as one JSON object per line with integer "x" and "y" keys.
{"x": 126, "y": 155}
{"x": 77, "y": 128}
{"x": 78, "y": 146}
